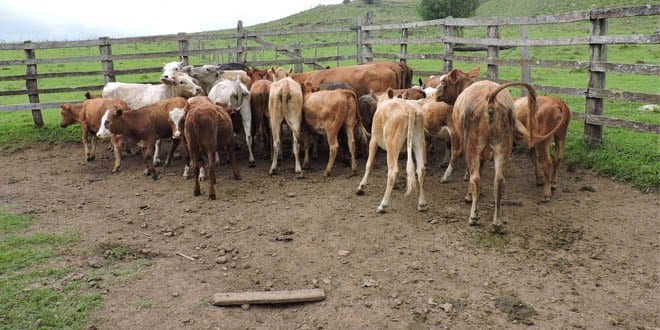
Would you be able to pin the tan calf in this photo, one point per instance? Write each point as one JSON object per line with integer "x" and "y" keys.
{"x": 259, "y": 94}
{"x": 552, "y": 117}
{"x": 437, "y": 123}
{"x": 396, "y": 122}
{"x": 285, "y": 103}
{"x": 326, "y": 112}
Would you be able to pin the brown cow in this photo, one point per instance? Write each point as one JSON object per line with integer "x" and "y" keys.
{"x": 437, "y": 122}
{"x": 285, "y": 103}
{"x": 208, "y": 128}
{"x": 90, "y": 95}
{"x": 258, "y": 74}
{"x": 552, "y": 117}
{"x": 396, "y": 122}
{"x": 89, "y": 114}
{"x": 326, "y": 112}
{"x": 483, "y": 122}
{"x": 363, "y": 78}
{"x": 259, "y": 93}
{"x": 144, "y": 125}
{"x": 404, "y": 73}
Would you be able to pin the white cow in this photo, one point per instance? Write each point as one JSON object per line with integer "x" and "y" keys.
{"x": 170, "y": 69}
{"x": 139, "y": 95}
{"x": 235, "y": 94}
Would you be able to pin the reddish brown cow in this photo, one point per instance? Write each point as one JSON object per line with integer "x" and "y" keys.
{"x": 437, "y": 122}
{"x": 404, "y": 73}
{"x": 483, "y": 122}
{"x": 363, "y": 78}
{"x": 259, "y": 93}
{"x": 552, "y": 117}
{"x": 326, "y": 112}
{"x": 207, "y": 129}
{"x": 144, "y": 125}
{"x": 258, "y": 74}
{"x": 89, "y": 114}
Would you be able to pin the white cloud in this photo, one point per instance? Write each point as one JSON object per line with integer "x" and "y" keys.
{"x": 77, "y": 19}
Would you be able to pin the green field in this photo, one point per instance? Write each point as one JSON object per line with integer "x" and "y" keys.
{"x": 625, "y": 155}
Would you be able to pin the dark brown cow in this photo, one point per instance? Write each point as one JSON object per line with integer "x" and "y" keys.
{"x": 259, "y": 94}
{"x": 144, "y": 125}
{"x": 326, "y": 112}
{"x": 552, "y": 117}
{"x": 89, "y": 114}
{"x": 207, "y": 129}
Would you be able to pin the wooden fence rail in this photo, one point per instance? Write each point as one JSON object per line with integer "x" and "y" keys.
{"x": 362, "y": 36}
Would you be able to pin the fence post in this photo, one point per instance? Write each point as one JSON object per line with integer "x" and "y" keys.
{"x": 525, "y": 69}
{"x": 31, "y": 82}
{"x": 105, "y": 49}
{"x": 367, "y": 35}
{"x": 240, "y": 43}
{"x": 449, "y": 48}
{"x": 298, "y": 65}
{"x": 183, "y": 47}
{"x": 360, "y": 59}
{"x": 493, "y": 53}
{"x": 404, "y": 46}
{"x": 593, "y": 134}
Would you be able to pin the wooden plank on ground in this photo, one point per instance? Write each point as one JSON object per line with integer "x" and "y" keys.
{"x": 268, "y": 297}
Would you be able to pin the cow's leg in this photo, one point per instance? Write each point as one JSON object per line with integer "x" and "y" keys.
{"x": 210, "y": 155}
{"x": 170, "y": 154}
{"x": 455, "y": 153}
{"x": 148, "y": 157}
{"x": 294, "y": 120}
{"x": 393, "y": 149}
{"x": 275, "y": 128}
{"x": 85, "y": 142}
{"x": 94, "y": 143}
{"x": 306, "y": 145}
{"x": 246, "y": 117}
{"x": 350, "y": 136}
{"x": 559, "y": 154}
{"x": 116, "y": 141}
{"x": 373, "y": 148}
{"x": 333, "y": 147}
{"x": 196, "y": 166}
{"x": 156, "y": 159}
{"x": 501, "y": 156}
{"x": 535, "y": 156}
{"x": 545, "y": 161}
{"x": 419, "y": 146}
{"x": 474, "y": 187}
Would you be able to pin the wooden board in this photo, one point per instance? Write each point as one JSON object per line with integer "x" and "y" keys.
{"x": 268, "y": 297}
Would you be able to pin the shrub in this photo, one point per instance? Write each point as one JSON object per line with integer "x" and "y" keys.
{"x": 435, "y": 9}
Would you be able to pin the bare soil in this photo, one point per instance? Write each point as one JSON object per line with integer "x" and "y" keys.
{"x": 589, "y": 258}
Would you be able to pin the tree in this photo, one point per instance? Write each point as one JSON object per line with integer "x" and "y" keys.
{"x": 435, "y": 9}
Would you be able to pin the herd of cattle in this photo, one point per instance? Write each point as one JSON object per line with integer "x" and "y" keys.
{"x": 207, "y": 106}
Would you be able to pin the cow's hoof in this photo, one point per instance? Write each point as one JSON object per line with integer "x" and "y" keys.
{"x": 443, "y": 180}
{"x": 545, "y": 199}
{"x": 154, "y": 176}
{"x": 115, "y": 170}
{"x": 251, "y": 164}
{"x": 380, "y": 209}
{"x": 474, "y": 221}
{"x": 196, "y": 192}
{"x": 422, "y": 207}
{"x": 497, "y": 229}
{"x": 272, "y": 172}
{"x": 360, "y": 191}
{"x": 300, "y": 175}
{"x": 145, "y": 173}
{"x": 156, "y": 162}
{"x": 91, "y": 158}
{"x": 237, "y": 177}
{"x": 326, "y": 173}
{"x": 212, "y": 197}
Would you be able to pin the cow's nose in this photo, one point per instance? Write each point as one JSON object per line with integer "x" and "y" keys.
{"x": 164, "y": 76}
{"x": 176, "y": 135}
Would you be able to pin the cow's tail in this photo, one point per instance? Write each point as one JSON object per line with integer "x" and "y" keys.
{"x": 531, "y": 119}
{"x": 565, "y": 117}
{"x": 410, "y": 165}
{"x": 363, "y": 134}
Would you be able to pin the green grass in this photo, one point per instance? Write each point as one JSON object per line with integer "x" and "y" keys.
{"x": 29, "y": 294}
{"x": 624, "y": 154}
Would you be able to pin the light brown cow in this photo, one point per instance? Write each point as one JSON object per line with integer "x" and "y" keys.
{"x": 259, "y": 94}
{"x": 437, "y": 123}
{"x": 285, "y": 103}
{"x": 326, "y": 112}
{"x": 207, "y": 129}
{"x": 144, "y": 125}
{"x": 432, "y": 81}
{"x": 483, "y": 122}
{"x": 552, "y": 117}
{"x": 403, "y": 72}
{"x": 89, "y": 114}
{"x": 396, "y": 122}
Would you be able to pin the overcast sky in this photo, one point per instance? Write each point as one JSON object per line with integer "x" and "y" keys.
{"x": 40, "y": 20}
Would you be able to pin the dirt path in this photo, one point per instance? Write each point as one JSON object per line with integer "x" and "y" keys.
{"x": 587, "y": 259}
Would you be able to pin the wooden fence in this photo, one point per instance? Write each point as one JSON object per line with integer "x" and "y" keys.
{"x": 362, "y": 37}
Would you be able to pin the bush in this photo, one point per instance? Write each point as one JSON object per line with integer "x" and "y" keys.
{"x": 435, "y": 9}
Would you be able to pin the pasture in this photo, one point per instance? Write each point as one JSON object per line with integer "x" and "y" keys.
{"x": 81, "y": 246}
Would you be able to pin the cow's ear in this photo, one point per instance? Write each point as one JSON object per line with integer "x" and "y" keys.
{"x": 187, "y": 69}
{"x": 421, "y": 83}
{"x": 290, "y": 70}
{"x": 474, "y": 72}
{"x": 404, "y": 95}
{"x": 66, "y": 106}
{"x": 452, "y": 75}
{"x": 119, "y": 112}
{"x": 390, "y": 92}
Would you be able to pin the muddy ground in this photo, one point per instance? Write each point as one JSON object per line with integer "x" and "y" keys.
{"x": 589, "y": 258}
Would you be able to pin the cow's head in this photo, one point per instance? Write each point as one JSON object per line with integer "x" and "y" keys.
{"x": 280, "y": 73}
{"x": 111, "y": 122}
{"x": 367, "y": 108}
{"x": 69, "y": 116}
{"x": 206, "y": 74}
{"x": 453, "y": 83}
{"x": 169, "y": 69}
{"x": 184, "y": 85}
{"x": 176, "y": 120}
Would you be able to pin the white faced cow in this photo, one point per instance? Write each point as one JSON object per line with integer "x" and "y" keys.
{"x": 169, "y": 69}
{"x": 236, "y": 95}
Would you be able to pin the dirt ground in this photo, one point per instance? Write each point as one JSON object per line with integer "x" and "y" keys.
{"x": 589, "y": 258}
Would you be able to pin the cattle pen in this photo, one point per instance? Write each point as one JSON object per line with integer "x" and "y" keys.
{"x": 444, "y": 41}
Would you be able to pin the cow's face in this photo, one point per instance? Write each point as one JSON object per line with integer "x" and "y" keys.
{"x": 453, "y": 83}
{"x": 68, "y": 117}
{"x": 185, "y": 85}
{"x": 110, "y": 122}
{"x": 176, "y": 119}
{"x": 170, "y": 69}
{"x": 206, "y": 74}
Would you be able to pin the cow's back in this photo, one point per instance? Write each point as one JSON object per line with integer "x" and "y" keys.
{"x": 94, "y": 109}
